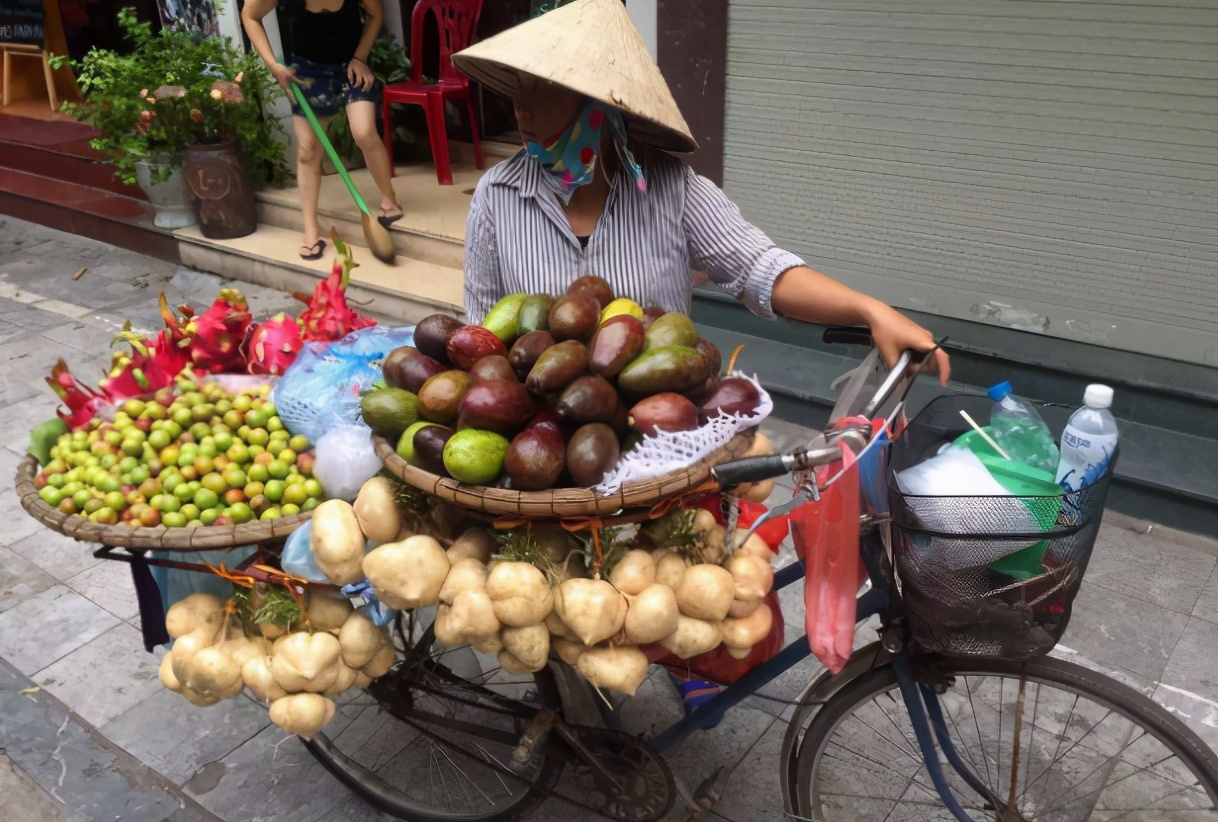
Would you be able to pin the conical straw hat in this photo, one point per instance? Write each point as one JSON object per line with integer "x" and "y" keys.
{"x": 593, "y": 48}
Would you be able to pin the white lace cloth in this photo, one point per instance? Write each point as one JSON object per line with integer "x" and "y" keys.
{"x": 667, "y": 451}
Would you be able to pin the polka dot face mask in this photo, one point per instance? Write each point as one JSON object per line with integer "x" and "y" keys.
{"x": 570, "y": 158}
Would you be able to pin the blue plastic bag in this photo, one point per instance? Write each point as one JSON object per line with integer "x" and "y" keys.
{"x": 297, "y": 556}
{"x": 321, "y": 390}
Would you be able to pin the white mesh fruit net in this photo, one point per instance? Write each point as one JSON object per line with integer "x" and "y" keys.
{"x": 666, "y": 451}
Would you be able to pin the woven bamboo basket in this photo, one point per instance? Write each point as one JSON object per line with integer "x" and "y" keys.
{"x": 159, "y": 538}
{"x": 562, "y": 503}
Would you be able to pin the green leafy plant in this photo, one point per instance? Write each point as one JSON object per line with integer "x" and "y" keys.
{"x": 177, "y": 88}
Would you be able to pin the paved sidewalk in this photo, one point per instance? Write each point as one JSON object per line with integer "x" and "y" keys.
{"x": 88, "y": 732}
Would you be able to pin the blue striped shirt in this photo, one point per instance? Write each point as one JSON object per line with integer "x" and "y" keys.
{"x": 645, "y": 243}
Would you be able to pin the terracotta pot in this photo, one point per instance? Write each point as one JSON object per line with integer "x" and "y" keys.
{"x": 220, "y": 189}
{"x": 170, "y": 199}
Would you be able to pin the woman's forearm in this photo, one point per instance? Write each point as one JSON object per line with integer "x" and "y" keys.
{"x": 251, "y": 18}
{"x": 802, "y": 293}
{"x": 372, "y": 28}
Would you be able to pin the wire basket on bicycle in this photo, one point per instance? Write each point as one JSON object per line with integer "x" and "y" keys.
{"x": 988, "y": 576}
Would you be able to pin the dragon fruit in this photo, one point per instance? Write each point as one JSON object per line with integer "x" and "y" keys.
{"x": 82, "y": 402}
{"x": 273, "y": 345}
{"x": 217, "y": 334}
{"x": 327, "y": 317}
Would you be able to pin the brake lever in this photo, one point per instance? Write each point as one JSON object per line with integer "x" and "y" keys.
{"x": 807, "y": 492}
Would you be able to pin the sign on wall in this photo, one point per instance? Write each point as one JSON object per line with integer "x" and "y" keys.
{"x": 196, "y": 15}
{"x": 22, "y": 21}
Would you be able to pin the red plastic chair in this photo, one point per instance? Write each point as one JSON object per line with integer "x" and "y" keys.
{"x": 457, "y": 20}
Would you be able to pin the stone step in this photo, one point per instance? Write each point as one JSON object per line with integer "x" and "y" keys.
{"x": 406, "y": 291}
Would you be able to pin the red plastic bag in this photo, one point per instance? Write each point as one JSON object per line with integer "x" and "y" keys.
{"x": 826, "y": 534}
{"x": 718, "y": 665}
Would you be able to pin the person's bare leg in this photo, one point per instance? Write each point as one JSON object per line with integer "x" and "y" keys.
{"x": 361, "y": 116}
{"x": 308, "y": 178}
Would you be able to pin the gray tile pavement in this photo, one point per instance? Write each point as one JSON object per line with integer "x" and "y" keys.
{"x": 1148, "y": 612}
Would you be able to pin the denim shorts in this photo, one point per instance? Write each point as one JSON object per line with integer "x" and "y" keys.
{"x": 326, "y": 88}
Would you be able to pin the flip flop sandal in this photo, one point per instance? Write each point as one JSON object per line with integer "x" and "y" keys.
{"x": 387, "y": 220}
{"x": 320, "y": 245}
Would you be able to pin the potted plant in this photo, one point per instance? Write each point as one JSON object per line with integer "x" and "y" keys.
{"x": 173, "y": 92}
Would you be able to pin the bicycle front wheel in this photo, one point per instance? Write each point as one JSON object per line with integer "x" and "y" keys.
{"x": 1052, "y": 742}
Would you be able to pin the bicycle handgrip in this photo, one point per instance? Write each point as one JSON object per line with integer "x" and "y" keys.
{"x": 750, "y": 469}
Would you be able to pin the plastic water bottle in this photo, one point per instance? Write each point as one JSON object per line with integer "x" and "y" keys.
{"x": 1089, "y": 440}
{"x": 1020, "y": 431}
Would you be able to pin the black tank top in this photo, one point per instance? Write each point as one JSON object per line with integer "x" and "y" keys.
{"x": 329, "y": 36}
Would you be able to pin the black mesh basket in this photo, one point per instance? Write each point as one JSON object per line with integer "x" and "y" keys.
{"x": 988, "y": 576}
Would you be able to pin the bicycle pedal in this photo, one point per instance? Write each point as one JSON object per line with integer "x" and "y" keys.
{"x": 532, "y": 741}
{"x": 708, "y": 794}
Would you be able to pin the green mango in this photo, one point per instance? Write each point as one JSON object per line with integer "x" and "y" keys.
{"x": 534, "y": 314}
{"x": 501, "y": 320}
{"x": 672, "y": 328}
{"x": 667, "y": 368}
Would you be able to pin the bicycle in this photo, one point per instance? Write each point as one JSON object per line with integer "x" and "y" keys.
{"x": 904, "y": 731}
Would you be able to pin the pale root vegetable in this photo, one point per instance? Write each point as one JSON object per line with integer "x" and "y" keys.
{"x": 362, "y": 680}
{"x": 739, "y": 653}
{"x": 256, "y": 673}
{"x": 633, "y": 572}
{"x": 530, "y": 645}
{"x": 652, "y": 615}
{"x": 359, "y": 640}
{"x": 592, "y": 608}
{"x": 474, "y": 543}
{"x": 714, "y": 545}
{"x": 376, "y": 511}
{"x": 446, "y": 635}
{"x": 748, "y": 631}
{"x": 491, "y": 645}
{"x": 615, "y": 669}
{"x": 472, "y": 616}
{"x": 165, "y": 673}
{"x": 509, "y": 663}
{"x": 212, "y": 671}
{"x": 752, "y": 576}
{"x": 327, "y": 612}
{"x": 467, "y": 574}
{"x": 192, "y": 613}
{"x": 558, "y": 628}
{"x": 567, "y": 650}
{"x": 344, "y": 681}
{"x": 302, "y": 714}
{"x": 196, "y": 698}
{"x": 704, "y": 521}
{"x": 337, "y": 541}
{"x": 519, "y": 592}
{"x": 270, "y": 630}
{"x": 760, "y": 446}
{"x": 304, "y": 661}
{"x": 753, "y": 546}
{"x": 693, "y": 637}
{"x": 411, "y": 571}
{"x": 185, "y": 648}
{"x": 760, "y": 491}
{"x": 381, "y": 663}
{"x": 670, "y": 568}
{"x": 743, "y": 607}
{"x": 705, "y": 592}
{"x": 243, "y": 648}
{"x": 390, "y": 601}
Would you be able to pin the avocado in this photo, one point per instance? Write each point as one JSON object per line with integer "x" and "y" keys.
{"x": 501, "y": 319}
{"x": 667, "y": 368}
{"x": 534, "y": 314}
{"x": 389, "y": 411}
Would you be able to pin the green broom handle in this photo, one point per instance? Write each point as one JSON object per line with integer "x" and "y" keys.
{"x": 325, "y": 143}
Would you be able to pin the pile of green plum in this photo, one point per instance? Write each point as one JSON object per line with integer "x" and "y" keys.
{"x": 195, "y": 455}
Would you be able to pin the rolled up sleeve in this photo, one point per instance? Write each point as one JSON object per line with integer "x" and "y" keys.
{"x": 733, "y": 252}
{"x": 483, "y": 281}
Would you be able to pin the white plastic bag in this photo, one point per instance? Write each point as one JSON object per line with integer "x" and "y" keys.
{"x": 345, "y": 461}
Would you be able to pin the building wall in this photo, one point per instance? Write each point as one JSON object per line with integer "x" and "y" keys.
{"x": 1050, "y": 166}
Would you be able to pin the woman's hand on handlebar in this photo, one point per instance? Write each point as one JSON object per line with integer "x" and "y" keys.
{"x": 894, "y": 333}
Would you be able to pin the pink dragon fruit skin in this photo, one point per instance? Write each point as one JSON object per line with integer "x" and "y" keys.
{"x": 274, "y": 344}
{"x": 82, "y": 402}
{"x": 327, "y": 317}
{"x": 217, "y": 334}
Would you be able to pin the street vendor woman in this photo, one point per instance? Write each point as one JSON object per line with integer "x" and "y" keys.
{"x": 597, "y": 189}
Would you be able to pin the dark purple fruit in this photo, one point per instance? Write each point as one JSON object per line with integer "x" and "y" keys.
{"x": 527, "y": 349}
{"x": 591, "y": 452}
{"x": 494, "y": 367}
{"x": 429, "y": 445}
{"x": 502, "y": 406}
{"x": 574, "y": 317}
{"x": 731, "y": 395}
{"x": 536, "y": 458}
{"x": 588, "y": 399}
{"x": 712, "y": 354}
{"x": 594, "y": 287}
{"x": 432, "y": 334}
{"x": 408, "y": 367}
{"x": 618, "y": 341}
{"x": 557, "y": 367}
{"x": 664, "y": 412}
{"x": 471, "y": 343}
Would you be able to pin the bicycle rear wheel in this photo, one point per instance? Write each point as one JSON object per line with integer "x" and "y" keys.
{"x": 1052, "y": 741}
{"x": 423, "y": 743}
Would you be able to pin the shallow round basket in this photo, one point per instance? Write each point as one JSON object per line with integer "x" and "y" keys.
{"x": 159, "y": 538}
{"x": 560, "y": 503}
